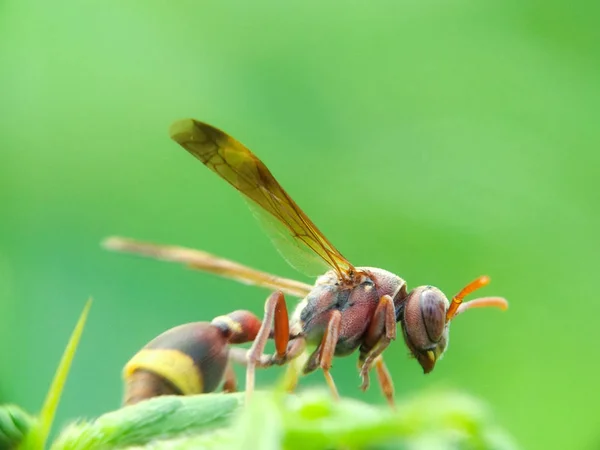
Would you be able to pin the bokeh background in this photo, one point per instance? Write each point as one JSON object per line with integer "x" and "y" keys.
{"x": 438, "y": 140}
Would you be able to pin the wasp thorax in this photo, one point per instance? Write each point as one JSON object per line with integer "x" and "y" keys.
{"x": 424, "y": 325}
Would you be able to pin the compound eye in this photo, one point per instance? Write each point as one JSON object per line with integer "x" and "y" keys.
{"x": 433, "y": 311}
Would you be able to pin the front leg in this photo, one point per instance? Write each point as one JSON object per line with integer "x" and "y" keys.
{"x": 382, "y": 330}
{"x": 276, "y": 316}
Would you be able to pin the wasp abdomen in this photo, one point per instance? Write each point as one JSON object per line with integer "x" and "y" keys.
{"x": 143, "y": 384}
{"x": 188, "y": 359}
{"x": 185, "y": 360}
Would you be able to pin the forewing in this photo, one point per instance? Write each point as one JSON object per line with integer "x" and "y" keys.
{"x": 245, "y": 172}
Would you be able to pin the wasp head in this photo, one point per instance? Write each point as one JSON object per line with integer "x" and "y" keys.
{"x": 425, "y": 316}
{"x": 424, "y": 325}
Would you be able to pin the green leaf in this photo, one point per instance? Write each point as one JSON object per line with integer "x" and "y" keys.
{"x": 311, "y": 420}
{"x": 164, "y": 418}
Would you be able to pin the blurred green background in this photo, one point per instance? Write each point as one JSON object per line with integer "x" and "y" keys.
{"x": 438, "y": 140}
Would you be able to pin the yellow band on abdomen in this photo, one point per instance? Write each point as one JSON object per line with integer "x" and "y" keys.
{"x": 173, "y": 365}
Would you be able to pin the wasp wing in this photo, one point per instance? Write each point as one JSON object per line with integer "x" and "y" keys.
{"x": 237, "y": 165}
{"x": 199, "y": 260}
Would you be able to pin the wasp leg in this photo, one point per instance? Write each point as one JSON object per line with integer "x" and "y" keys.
{"x": 230, "y": 383}
{"x": 295, "y": 348}
{"x": 381, "y": 332}
{"x": 328, "y": 350}
{"x": 324, "y": 353}
{"x": 275, "y": 315}
{"x": 385, "y": 381}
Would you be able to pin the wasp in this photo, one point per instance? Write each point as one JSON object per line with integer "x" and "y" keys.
{"x": 348, "y": 308}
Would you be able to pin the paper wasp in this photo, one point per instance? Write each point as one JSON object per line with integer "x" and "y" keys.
{"x": 349, "y": 308}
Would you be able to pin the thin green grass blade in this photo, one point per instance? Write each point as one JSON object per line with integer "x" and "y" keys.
{"x": 37, "y": 439}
